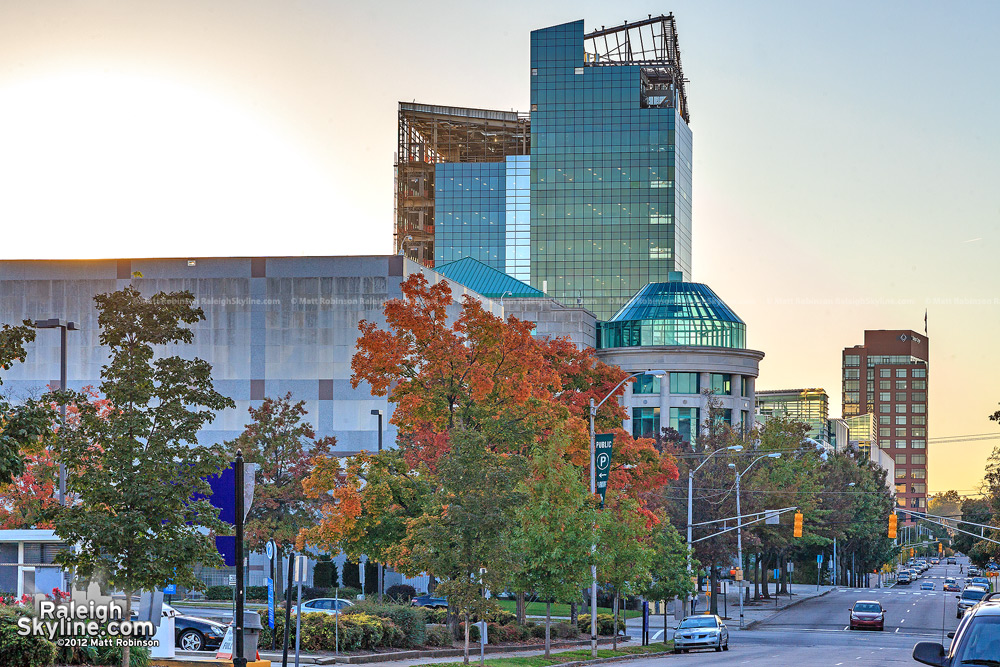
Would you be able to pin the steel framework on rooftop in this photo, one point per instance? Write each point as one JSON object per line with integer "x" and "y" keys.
{"x": 650, "y": 44}
{"x": 430, "y": 134}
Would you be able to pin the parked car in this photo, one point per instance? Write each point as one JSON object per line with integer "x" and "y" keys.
{"x": 903, "y": 577}
{"x": 867, "y": 614}
{"x": 430, "y": 601}
{"x": 976, "y": 641}
{"x": 192, "y": 633}
{"x": 325, "y": 605}
{"x": 701, "y": 631}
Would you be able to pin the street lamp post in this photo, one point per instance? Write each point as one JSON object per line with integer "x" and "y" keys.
{"x": 593, "y": 490}
{"x": 739, "y": 521}
{"x": 381, "y": 586}
{"x": 734, "y": 448}
{"x": 63, "y": 327}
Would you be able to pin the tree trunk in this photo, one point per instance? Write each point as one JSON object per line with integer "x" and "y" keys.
{"x": 784, "y": 575}
{"x": 465, "y": 655}
{"x": 766, "y": 594}
{"x": 756, "y": 582}
{"x": 126, "y": 651}
{"x": 520, "y": 608}
{"x": 574, "y": 615}
{"x": 665, "y": 621}
{"x": 713, "y": 585}
{"x": 614, "y": 610}
{"x": 548, "y": 627}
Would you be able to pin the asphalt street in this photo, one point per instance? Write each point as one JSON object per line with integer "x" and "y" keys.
{"x": 815, "y": 632}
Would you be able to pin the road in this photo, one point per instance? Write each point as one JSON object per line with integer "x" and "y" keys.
{"x": 815, "y": 631}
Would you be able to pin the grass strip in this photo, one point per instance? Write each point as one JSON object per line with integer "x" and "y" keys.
{"x": 561, "y": 657}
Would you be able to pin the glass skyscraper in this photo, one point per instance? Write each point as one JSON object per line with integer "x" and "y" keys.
{"x": 610, "y": 163}
{"x": 590, "y": 208}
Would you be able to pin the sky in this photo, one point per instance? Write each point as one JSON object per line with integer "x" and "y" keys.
{"x": 845, "y": 154}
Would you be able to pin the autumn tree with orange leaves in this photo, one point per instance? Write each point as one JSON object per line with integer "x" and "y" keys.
{"x": 449, "y": 367}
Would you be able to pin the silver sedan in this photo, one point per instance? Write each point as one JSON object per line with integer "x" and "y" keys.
{"x": 701, "y": 631}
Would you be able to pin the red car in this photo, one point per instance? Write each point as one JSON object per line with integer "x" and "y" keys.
{"x": 867, "y": 614}
{"x": 950, "y": 584}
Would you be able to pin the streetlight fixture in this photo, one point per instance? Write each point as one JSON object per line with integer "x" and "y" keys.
{"x": 63, "y": 327}
{"x": 593, "y": 490}
{"x": 734, "y": 448}
{"x": 378, "y": 413}
{"x": 502, "y": 296}
{"x": 739, "y": 519}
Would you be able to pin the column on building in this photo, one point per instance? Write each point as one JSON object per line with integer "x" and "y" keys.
{"x": 734, "y": 394}
{"x": 664, "y": 402}
{"x": 704, "y": 384}
{"x": 751, "y": 401}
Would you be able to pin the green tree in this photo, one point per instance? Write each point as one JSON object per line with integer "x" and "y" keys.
{"x": 555, "y": 530}
{"x": 669, "y": 575}
{"x": 135, "y": 471}
{"x": 624, "y": 554}
{"x": 20, "y": 425}
{"x": 464, "y": 540}
{"x": 283, "y": 445}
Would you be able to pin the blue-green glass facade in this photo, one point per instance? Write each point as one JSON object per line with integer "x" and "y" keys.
{"x": 470, "y": 202}
{"x": 482, "y": 211}
{"x": 674, "y": 313}
{"x": 610, "y": 177}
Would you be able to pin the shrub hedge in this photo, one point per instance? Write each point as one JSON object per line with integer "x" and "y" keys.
{"x": 18, "y": 651}
{"x": 412, "y": 621}
{"x": 605, "y": 624}
{"x": 401, "y": 593}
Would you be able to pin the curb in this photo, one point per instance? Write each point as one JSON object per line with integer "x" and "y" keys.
{"x": 209, "y": 661}
{"x": 454, "y": 652}
{"x": 752, "y": 624}
{"x": 621, "y": 658}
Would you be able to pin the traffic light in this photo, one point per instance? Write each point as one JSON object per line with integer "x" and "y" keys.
{"x": 797, "y": 529}
{"x": 911, "y": 552}
{"x": 892, "y": 526}
{"x": 940, "y": 548}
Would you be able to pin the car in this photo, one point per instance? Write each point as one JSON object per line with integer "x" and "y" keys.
{"x": 325, "y": 605}
{"x": 974, "y": 571}
{"x": 976, "y": 641}
{"x": 935, "y": 561}
{"x": 192, "y": 633}
{"x": 951, "y": 561}
{"x": 969, "y": 598}
{"x": 903, "y": 577}
{"x": 867, "y": 614}
{"x": 927, "y": 586}
{"x": 429, "y": 601}
{"x": 701, "y": 631}
{"x": 951, "y": 584}
{"x": 983, "y": 581}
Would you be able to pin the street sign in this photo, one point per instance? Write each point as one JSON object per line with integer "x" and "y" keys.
{"x": 772, "y": 519}
{"x": 226, "y": 649}
{"x": 738, "y": 574}
{"x": 270, "y": 602}
{"x": 603, "y": 443}
{"x": 777, "y": 573}
{"x": 170, "y": 590}
{"x": 791, "y": 566}
{"x": 301, "y": 563}
{"x": 269, "y": 549}
{"x": 819, "y": 559}
{"x": 232, "y": 580}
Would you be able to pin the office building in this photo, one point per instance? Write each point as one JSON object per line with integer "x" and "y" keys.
{"x": 887, "y": 378}
{"x": 862, "y": 433}
{"x": 809, "y": 406}
{"x": 687, "y": 330}
{"x": 272, "y": 325}
{"x": 588, "y": 197}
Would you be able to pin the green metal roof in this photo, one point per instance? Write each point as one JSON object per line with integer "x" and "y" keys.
{"x": 486, "y": 280}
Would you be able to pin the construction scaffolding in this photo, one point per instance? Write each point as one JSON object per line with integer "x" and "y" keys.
{"x": 431, "y": 134}
{"x": 652, "y": 45}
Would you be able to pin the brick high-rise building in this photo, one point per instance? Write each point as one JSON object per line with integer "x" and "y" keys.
{"x": 887, "y": 377}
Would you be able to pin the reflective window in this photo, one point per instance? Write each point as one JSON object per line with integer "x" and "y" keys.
{"x": 646, "y": 384}
{"x": 901, "y": 372}
{"x": 684, "y": 383}
{"x": 645, "y": 422}
{"x": 685, "y": 422}
{"x": 722, "y": 383}
{"x": 852, "y": 360}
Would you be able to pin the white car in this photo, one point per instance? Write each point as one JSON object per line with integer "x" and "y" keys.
{"x": 325, "y": 605}
{"x": 701, "y": 631}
